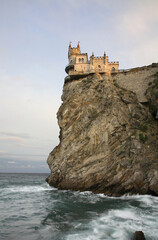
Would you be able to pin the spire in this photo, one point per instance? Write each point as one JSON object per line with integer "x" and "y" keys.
{"x": 78, "y": 45}
{"x": 92, "y": 54}
{"x": 69, "y": 45}
{"x": 69, "y": 52}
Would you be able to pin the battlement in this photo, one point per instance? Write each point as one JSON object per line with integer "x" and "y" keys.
{"x": 97, "y": 58}
{"x": 79, "y": 63}
{"x": 114, "y": 62}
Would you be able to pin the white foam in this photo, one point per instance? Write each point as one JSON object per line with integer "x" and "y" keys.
{"x": 27, "y": 189}
{"x": 124, "y": 214}
{"x": 121, "y": 223}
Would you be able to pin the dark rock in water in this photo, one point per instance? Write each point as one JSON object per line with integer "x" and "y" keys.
{"x": 47, "y": 179}
{"x": 108, "y": 139}
{"x": 139, "y": 235}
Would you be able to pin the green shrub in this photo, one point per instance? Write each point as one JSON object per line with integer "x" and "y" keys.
{"x": 93, "y": 114}
{"x": 154, "y": 65}
{"x": 156, "y": 82}
{"x": 143, "y": 138}
{"x": 156, "y": 75}
{"x": 87, "y": 138}
{"x": 143, "y": 127}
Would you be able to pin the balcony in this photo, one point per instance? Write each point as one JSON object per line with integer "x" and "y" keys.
{"x": 69, "y": 67}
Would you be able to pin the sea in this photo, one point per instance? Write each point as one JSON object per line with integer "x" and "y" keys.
{"x": 32, "y": 210}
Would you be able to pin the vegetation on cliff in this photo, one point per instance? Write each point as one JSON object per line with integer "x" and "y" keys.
{"x": 152, "y": 95}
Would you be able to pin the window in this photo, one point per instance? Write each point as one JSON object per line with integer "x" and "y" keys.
{"x": 79, "y": 59}
{"x": 113, "y": 69}
{"x": 99, "y": 66}
{"x": 82, "y": 59}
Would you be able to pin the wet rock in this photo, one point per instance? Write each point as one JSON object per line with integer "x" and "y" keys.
{"x": 139, "y": 235}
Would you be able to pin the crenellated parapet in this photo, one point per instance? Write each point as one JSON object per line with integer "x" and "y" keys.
{"x": 74, "y": 51}
{"x": 80, "y": 65}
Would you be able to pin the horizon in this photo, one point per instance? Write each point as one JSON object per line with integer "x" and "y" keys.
{"x": 34, "y": 42}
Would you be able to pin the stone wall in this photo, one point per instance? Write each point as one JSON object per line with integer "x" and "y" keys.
{"x": 136, "y": 79}
{"x": 80, "y": 67}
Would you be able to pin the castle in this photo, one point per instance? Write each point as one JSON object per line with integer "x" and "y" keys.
{"x": 80, "y": 65}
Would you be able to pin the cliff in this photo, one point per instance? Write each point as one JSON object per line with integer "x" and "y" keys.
{"x": 108, "y": 139}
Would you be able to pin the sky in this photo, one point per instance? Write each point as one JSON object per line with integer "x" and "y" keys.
{"x": 34, "y": 39}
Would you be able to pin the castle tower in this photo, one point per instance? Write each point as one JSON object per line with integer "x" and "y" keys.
{"x": 74, "y": 51}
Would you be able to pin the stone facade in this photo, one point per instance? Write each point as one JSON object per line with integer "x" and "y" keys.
{"x": 80, "y": 65}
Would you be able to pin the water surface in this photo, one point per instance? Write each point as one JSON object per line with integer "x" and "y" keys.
{"x": 31, "y": 210}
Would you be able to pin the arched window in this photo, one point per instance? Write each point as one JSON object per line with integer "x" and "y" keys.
{"x": 113, "y": 69}
{"x": 79, "y": 59}
{"x": 99, "y": 66}
{"x": 82, "y": 59}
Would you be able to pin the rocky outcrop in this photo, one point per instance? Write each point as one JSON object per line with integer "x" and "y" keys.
{"x": 108, "y": 140}
{"x": 139, "y": 235}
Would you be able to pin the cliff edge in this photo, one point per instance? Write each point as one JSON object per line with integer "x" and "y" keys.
{"x": 108, "y": 139}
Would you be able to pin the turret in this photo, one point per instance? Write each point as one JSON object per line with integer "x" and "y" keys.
{"x": 69, "y": 49}
{"x": 91, "y": 58}
{"x": 104, "y": 57}
{"x": 78, "y": 46}
{"x": 74, "y": 51}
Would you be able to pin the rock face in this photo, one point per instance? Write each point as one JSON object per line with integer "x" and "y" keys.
{"x": 139, "y": 235}
{"x": 108, "y": 140}
{"x": 152, "y": 96}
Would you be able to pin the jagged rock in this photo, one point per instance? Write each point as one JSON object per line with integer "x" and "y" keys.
{"x": 139, "y": 235}
{"x": 108, "y": 140}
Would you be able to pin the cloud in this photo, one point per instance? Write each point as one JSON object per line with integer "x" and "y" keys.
{"x": 22, "y": 135}
{"x": 137, "y": 33}
{"x": 2, "y": 152}
{"x": 76, "y": 4}
{"x": 134, "y": 25}
{"x": 17, "y": 78}
{"x": 146, "y": 52}
{"x": 138, "y": 19}
{"x": 29, "y": 146}
{"x": 16, "y": 166}
{"x": 23, "y": 157}
{"x": 12, "y": 139}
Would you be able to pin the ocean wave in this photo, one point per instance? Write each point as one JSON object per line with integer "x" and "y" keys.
{"x": 147, "y": 200}
{"x": 117, "y": 224}
{"x": 27, "y": 189}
